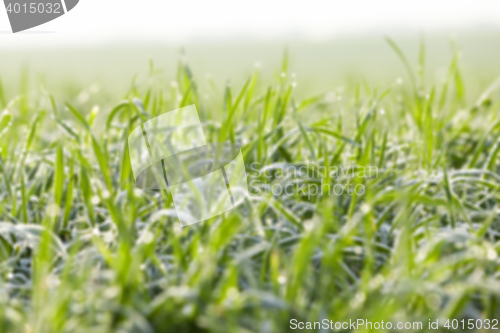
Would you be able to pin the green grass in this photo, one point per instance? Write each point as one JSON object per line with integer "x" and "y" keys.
{"x": 83, "y": 250}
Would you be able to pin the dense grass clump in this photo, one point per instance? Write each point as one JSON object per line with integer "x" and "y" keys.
{"x": 375, "y": 203}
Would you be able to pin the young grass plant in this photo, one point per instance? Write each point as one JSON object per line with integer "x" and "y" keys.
{"x": 83, "y": 249}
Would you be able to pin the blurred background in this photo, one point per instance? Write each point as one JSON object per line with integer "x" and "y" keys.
{"x": 104, "y": 44}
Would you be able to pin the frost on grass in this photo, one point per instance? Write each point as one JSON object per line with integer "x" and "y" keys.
{"x": 82, "y": 248}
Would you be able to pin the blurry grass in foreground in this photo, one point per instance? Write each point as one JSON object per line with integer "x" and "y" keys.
{"x": 82, "y": 249}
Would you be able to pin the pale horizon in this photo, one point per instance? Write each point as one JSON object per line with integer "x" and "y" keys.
{"x": 90, "y": 22}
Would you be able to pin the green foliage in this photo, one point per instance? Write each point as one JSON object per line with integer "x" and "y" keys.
{"x": 82, "y": 249}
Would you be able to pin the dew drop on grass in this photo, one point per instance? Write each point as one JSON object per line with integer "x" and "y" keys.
{"x": 52, "y": 281}
{"x": 365, "y": 208}
{"x": 376, "y": 282}
{"x": 108, "y": 237}
{"x": 95, "y": 200}
{"x": 433, "y": 301}
{"x": 491, "y": 254}
{"x": 188, "y": 309}
{"x": 308, "y": 225}
{"x": 358, "y": 299}
{"x": 112, "y": 292}
{"x": 177, "y": 229}
{"x": 52, "y": 210}
{"x": 232, "y": 293}
{"x": 146, "y": 237}
{"x": 330, "y": 97}
{"x": 95, "y": 88}
{"x": 83, "y": 97}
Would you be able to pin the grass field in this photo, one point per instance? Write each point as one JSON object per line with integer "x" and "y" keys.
{"x": 82, "y": 249}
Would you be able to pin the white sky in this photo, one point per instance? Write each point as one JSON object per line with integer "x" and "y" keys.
{"x": 102, "y": 21}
